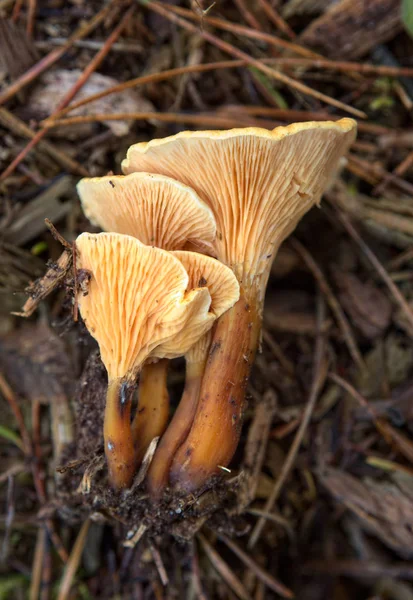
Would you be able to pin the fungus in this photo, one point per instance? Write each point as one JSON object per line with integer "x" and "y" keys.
{"x": 161, "y": 212}
{"x": 155, "y": 209}
{"x": 224, "y": 290}
{"x": 258, "y": 184}
{"x": 137, "y": 299}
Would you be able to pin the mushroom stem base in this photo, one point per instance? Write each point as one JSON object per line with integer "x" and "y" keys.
{"x": 177, "y": 430}
{"x": 216, "y": 429}
{"x": 119, "y": 447}
{"x": 152, "y": 414}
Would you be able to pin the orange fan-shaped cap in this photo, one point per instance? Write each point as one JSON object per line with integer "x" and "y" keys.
{"x": 136, "y": 299}
{"x": 258, "y": 183}
{"x": 223, "y": 287}
{"x": 157, "y": 210}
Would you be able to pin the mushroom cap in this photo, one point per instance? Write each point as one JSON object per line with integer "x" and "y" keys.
{"x": 136, "y": 298}
{"x": 157, "y": 210}
{"x": 187, "y": 337}
{"x": 223, "y": 287}
{"x": 204, "y": 271}
{"x": 258, "y": 183}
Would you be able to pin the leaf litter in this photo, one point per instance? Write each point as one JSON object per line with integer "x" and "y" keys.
{"x": 328, "y": 475}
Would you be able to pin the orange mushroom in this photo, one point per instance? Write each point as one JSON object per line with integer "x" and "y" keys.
{"x": 160, "y": 212}
{"x": 258, "y": 184}
{"x": 155, "y": 209}
{"x": 137, "y": 299}
{"x": 224, "y": 290}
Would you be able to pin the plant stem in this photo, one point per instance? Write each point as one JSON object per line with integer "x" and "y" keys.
{"x": 152, "y": 414}
{"x": 178, "y": 428}
{"x": 216, "y": 429}
{"x": 119, "y": 447}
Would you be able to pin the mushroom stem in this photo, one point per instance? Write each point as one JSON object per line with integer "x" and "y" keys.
{"x": 216, "y": 429}
{"x": 152, "y": 414}
{"x": 178, "y": 428}
{"x": 119, "y": 447}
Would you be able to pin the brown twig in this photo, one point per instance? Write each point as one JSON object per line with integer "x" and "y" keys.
{"x": 36, "y": 574}
{"x": 276, "y": 19}
{"x": 145, "y": 79}
{"x": 266, "y": 578}
{"x": 278, "y": 352}
{"x": 11, "y": 399}
{"x": 31, "y": 16}
{"x": 319, "y": 377}
{"x": 331, "y": 301}
{"x": 16, "y": 10}
{"x": 94, "y": 63}
{"x": 248, "y": 16}
{"x": 73, "y": 562}
{"x": 275, "y": 518}
{"x": 56, "y": 541}
{"x": 287, "y": 114}
{"x": 400, "y": 260}
{"x": 57, "y": 236}
{"x": 159, "y": 564}
{"x": 47, "y": 571}
{"x": 196, "y": 574}
{"x": 199, "y": 119}
{"x": 397, "y": 172}
{"x": 37, "y": 451}
{"x": 13, "y": 123}
{"x": 53, "y": 56}
{"x": 389, "y": 433}
{"x": 224, "y": 570}
{"x": 39, "y": 481}
{"x": 226, "y": 25}
{"x": 169, "y": 13}
{"x": 373, "y": 173}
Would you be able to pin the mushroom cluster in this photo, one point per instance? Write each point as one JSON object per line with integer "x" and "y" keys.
{"x": 192, "y": 227}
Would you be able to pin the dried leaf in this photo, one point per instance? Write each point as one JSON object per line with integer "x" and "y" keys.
{"x": 348, "y": 29}
{"x": 384, "y": 509}
{"x": 38, "y": 369}
{"x": 292, "y": 311}
{"x": 54, "y": 85}
{"x": 369, "y": 308}
{"x": 389, "y": 362}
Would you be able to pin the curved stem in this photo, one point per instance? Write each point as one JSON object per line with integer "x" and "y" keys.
{"x": 119, "y": 448}
{"x": 216, "y": 429}
{"x": 152, "y": 414}
{"x": 178, "y": 429}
